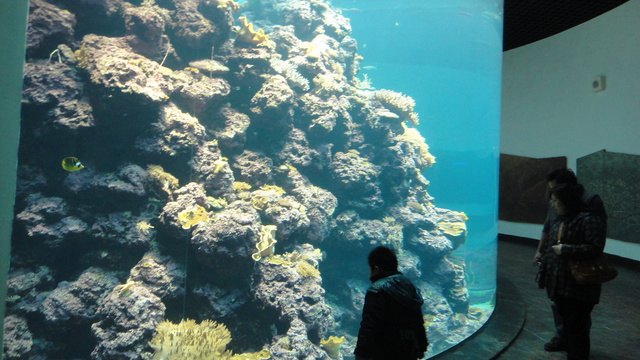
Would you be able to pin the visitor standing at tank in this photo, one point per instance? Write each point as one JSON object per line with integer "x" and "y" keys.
{"x": 594, "y": 203}
{"x": 392, "y": 326}
{"x": 577, "y": 234}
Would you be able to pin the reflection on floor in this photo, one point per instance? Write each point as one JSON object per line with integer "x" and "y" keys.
{"x": 616, "y": 320}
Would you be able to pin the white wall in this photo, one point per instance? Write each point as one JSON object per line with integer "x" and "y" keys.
{"x": 549, "y": 109}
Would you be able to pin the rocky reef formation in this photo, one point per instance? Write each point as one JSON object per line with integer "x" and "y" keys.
{"x": 235, "y": 170}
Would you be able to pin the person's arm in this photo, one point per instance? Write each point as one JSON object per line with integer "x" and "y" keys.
{"x": 592, "y": 242}
{"x": 546, "y": 228}
{"x": 541, "y": 245}
{"x": 370, "y": 326}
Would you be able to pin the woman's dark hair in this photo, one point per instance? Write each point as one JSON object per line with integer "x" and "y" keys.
{"x": 384, "y": 258}
{"x": 563, "y": 176}
{"x": 571, "y": 196}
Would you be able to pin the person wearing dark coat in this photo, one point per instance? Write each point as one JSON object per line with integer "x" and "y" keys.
{"x": 591, "y": 203}
{"x": 392, "y": 326}
{"x": 577, "y": 234}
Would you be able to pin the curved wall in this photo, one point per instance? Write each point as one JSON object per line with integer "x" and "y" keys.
{"x": 549, "y": 109}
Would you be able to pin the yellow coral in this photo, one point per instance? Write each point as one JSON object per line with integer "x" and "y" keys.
{"x": 412, "y": 136}
{"x": 193, "y": 216}
{"x": 280, "y": 260}
{"x": 188, "y": 340}
{"x": 454, "y": 224}
{"x": 248, "y": 35}
{"x": 307, "y": 270}
{"x": 143, "y": 227}
{"x": 259, "y": 202}
{"x": 260, "y": 355}
{"x": 332, "y": 346}
{"x": 452, "y": 228}
{"x": 219, "y": 165}
{"x": 273, "y": 188}
{"x": 216, "y": 204}
{"x": 228, "y": 4}
{"x": 161, "y": 177}
{"x": 240, "y": 186}
{"x": 266, "y": 243}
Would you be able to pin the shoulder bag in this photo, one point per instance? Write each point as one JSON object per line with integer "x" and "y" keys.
{"x": 593, "y": 271}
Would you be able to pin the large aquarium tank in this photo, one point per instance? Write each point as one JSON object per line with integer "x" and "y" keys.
{"x": 204, "y": 179}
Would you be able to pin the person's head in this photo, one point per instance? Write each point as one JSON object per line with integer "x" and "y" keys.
{"x": 567, "y": 198}
{"x": 382, "y": 259}
{"x": 561, "y": 176}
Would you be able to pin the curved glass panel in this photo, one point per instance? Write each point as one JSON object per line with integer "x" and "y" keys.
{"x": 205, "y": 179}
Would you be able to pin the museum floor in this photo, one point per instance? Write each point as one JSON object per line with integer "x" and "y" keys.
{"x": 523, "y": 322}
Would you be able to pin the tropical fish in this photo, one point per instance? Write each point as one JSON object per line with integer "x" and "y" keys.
{"x": 71, "y": 164}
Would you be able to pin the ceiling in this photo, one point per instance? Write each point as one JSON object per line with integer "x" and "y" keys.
{"x": 526, "y": 21}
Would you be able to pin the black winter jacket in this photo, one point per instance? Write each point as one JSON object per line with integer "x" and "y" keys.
{"x": 392, "y": 326}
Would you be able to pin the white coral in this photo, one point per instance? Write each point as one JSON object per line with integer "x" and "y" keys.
{"x": 398, "y": 103}
{"x": 290, "y": 72}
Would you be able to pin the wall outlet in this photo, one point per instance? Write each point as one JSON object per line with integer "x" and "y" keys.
{"x": 598, "y": 83}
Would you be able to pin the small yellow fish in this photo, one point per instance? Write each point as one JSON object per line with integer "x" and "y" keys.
{"x": 71, "y": 164}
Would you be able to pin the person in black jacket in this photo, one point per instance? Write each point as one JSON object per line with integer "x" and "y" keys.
{"x": 392, "y": 326}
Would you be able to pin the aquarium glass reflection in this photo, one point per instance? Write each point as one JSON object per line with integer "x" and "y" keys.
{"x": 203, "y": 179}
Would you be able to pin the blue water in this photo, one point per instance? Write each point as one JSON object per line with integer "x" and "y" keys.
{"x": 126, "y": 237}
{"x": 447, "y": 56}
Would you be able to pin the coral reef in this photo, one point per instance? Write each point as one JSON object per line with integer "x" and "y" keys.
{"x": 231, "y": 174}
{"x": 128, "y": 317}
{"x": 77, "y": 302}
{"x": 17, "y": 338}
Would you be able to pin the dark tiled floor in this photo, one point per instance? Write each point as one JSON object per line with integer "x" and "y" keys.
{"x": 615, "y": 334}
{"x": 522, "y": 322}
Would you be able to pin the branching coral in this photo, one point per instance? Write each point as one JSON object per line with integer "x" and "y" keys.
{"x": 332, "y": 346}
{"x": 266, "y": 242}
{"x": 305, "y": 269}
{"x": 188, "y": 340}
{"x": 144, "y": 227}
{"x": 240, "y": 186}
{"x": 398, "y": 103}
{"x": 290, "y": 72}
{"x": 192, "y": 216}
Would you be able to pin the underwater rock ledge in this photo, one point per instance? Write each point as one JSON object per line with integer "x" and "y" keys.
{"x": 234, "y": 170}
